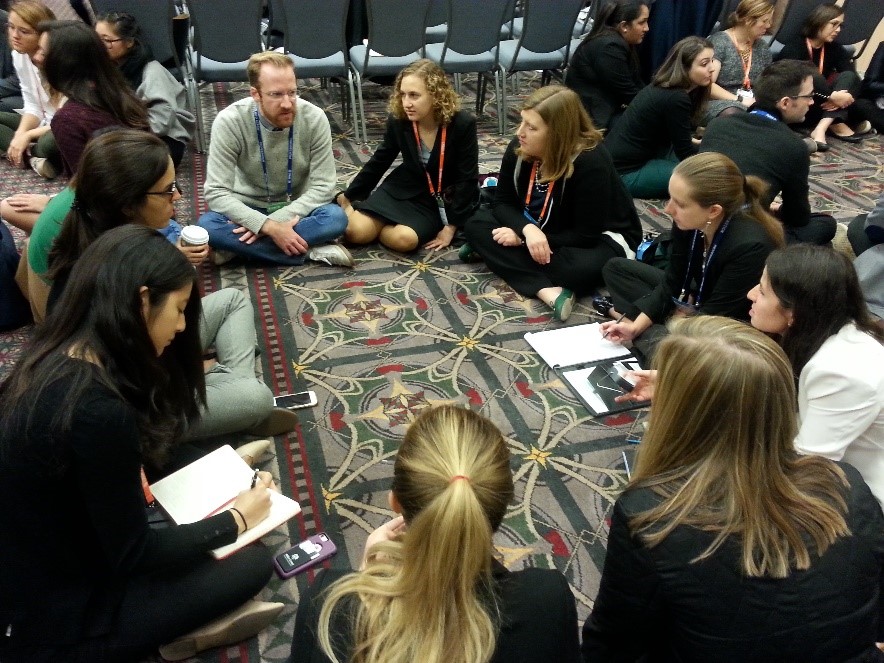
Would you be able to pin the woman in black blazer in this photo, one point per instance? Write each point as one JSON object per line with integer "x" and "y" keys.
{"x": 435, "y": 189}
{"x": 605, "y": 69}
{"x": 560, "y": 210}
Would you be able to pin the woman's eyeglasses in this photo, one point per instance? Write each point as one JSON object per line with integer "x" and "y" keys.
{"x": 173, "y": 187}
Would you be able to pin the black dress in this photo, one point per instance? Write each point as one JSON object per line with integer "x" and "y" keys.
{"x": 404, "y": 196}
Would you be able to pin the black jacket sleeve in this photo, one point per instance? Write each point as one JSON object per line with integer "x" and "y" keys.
{"x": 508, "y": 207}
{"x": 461, "y": 173}
{"x": 629, "y": 608}
{"x": 678, "y": 124}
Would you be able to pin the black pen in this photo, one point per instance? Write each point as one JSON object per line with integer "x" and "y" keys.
{"x": 255, "y": 479}
{"x": 616, "y": 322}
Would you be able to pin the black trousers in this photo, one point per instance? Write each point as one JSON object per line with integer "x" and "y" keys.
{"x": 157, "y": 608}
{"x": 820, "y": 231}
{"x": 577, "y": 268}
{"x": 628, "y": 281}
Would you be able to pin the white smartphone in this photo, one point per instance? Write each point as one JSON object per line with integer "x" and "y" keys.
{"x": 296, "y": 401}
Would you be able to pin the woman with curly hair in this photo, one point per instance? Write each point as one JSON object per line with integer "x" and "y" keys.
{"x": 434, "y": 190}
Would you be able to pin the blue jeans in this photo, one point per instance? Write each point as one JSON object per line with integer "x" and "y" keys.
{"x": 324, "y": 224}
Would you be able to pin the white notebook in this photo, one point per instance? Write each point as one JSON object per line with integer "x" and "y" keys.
{"x": 210, "y": 485}
{"x": 577, "y": 344}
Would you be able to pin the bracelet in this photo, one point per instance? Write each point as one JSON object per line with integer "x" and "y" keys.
{"x": 244, "y": 523}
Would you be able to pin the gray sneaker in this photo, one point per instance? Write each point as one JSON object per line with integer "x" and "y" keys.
{"x": 331, "y": 254}
{"x": 43, "y": 168}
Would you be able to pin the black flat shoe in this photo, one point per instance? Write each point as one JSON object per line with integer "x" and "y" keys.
{"x": 822, "y": 147}
{"x": 852, "y": 138}
{"x": 602, "y": 305}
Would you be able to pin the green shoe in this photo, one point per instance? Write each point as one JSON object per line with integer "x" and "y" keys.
{"x": 468, "y": 255}
{"x": 564, "y": 304}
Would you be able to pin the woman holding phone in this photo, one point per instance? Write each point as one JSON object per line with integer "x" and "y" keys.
{"x": 429, "y": 588}
{"x": 88, "y": 415}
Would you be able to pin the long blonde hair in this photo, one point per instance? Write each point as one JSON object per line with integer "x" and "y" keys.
{"x": 719, "y": 451}
{"x": 569, "y": 129}
{"x": 427, "y": 596}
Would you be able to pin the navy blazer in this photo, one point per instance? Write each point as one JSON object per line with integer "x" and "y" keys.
{"x": 460, "y": 173}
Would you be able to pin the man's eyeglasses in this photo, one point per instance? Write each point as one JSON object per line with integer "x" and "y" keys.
{"x": 279, "y": 96}
{"x": 110, "y": 42}
{"x": 802, "y": 96}
{"x": 173, "y": 187}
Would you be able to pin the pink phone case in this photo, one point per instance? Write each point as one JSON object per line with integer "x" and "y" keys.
{"x": 305, "y": 554}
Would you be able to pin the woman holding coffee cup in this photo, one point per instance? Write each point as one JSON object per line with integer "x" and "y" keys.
{"x": 127, "y": 177}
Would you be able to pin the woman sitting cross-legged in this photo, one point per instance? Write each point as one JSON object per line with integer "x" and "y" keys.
{"x": 727, "y": 545}
{"x": 435, "y": 189}
{"x": 655, "y": 132}
{"x": 107, "y": 386}
{"x": 809, "y": 298}
{"x": 128, "y": 178}
{"x": 560, "y": 210}
{"x": 429, "y": 589}
{"x": 721, "y": 236}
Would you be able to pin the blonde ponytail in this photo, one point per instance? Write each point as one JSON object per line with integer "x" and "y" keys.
{"x": 428, "y": 596}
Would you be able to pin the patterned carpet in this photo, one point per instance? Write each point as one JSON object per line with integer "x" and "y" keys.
{"x": 400, "y": 333}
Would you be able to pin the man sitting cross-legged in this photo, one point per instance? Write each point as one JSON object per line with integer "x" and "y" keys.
{"x": 271, "y": 173}
{"x": 761, "y": 143}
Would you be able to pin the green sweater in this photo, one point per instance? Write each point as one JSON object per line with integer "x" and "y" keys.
{"x": 234, "y": 178}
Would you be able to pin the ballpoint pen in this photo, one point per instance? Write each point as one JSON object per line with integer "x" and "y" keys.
{"x": 255, "y": 479}
{"x": 617, "y": 321}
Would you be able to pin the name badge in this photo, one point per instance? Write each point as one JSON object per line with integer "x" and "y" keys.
{"x": 745, "y": 95}
{"x": 274, "y": 207}
{"x": 442, "y": 214}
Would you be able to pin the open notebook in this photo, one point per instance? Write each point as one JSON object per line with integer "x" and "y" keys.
{"x": 590, "y": 365}
{"x": 210, "y": 485}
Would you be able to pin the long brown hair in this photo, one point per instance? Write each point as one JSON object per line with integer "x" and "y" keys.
{"x": 569, "y": 129}
{"x": 720, "y": 454}
{"x": 428, "y": 595}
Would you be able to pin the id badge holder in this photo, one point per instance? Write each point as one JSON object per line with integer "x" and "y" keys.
{"x": 745, "y": 95}
{"x": 442, "y": 214}
{"x": 684, "y": 307}
{"x": 275, "y": 207}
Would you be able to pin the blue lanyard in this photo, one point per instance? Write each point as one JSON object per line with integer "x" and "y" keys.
{"x": 288, "y": 186}
{"x": 764, "y": 114}
{"x": 708, "y": 259}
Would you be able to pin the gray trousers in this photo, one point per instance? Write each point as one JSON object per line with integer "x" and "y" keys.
{"x": 235, "y": 399}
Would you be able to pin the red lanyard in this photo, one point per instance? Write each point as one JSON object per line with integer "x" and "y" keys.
{"x": 433, "y": 191}
{"x": 549, "y": 191}
{"x": 747, "y": 64}
{"x": 148, "y": 495}
{"x": 822, "y": 53}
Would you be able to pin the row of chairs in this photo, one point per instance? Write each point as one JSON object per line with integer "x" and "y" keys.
{"x": 471, "y": 36}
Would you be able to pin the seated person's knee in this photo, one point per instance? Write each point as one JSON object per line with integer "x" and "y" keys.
{"x": 361, "y": 229}
{"x": 399, "y": 238}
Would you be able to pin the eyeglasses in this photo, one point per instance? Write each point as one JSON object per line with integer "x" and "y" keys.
{"x": 801, "y": 96}
{"x": 279, "y": 96}
{"x": 24, "y": 32}
{"x": 110, "y": 42}
{"x": 173, "y": 187}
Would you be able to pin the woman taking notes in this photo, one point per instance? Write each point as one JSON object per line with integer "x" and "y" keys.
{"x": 110, "y": 382}
{"x": 429, "y": 589}
{"x": 727, "y": 545}
{"x": 721, "y": 236}
{"x": 435, "y": 189}
{"x": 809, "y": 299}
{"x": 560, "y": 210}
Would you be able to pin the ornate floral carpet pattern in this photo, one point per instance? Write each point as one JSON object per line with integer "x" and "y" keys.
{"x": 399, "y": 334}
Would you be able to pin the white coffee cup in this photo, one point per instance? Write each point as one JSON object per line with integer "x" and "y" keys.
{"x": 194, "y": 236}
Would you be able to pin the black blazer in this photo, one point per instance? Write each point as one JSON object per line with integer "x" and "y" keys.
{"x": 733, "y": 271}
{"x": 606, "y": 74}
{"x": 582, "y": 207}
{"x": 538, "y": 619}
{"x": 460, "y": 174}
{"x": 655, "y": 605}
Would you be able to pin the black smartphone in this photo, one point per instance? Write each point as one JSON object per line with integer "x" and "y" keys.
{"x": 296, "y": 401}
{"x": 304, "y": 555}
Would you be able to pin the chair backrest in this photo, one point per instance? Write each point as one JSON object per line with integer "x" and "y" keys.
{"x": 861, "y": 18}
{"x": 154, "y": 17}
{"x": 549, "y": 24}
{"x": 226, "y": 30}
{"x": 315, "y": 29}
{"x": 727, "y": 8}
{"x": 793, "y": 20}
{"x": 474, "y": 27}
{"x": 397, "y": 27}
{"x": 437, "y": 13}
